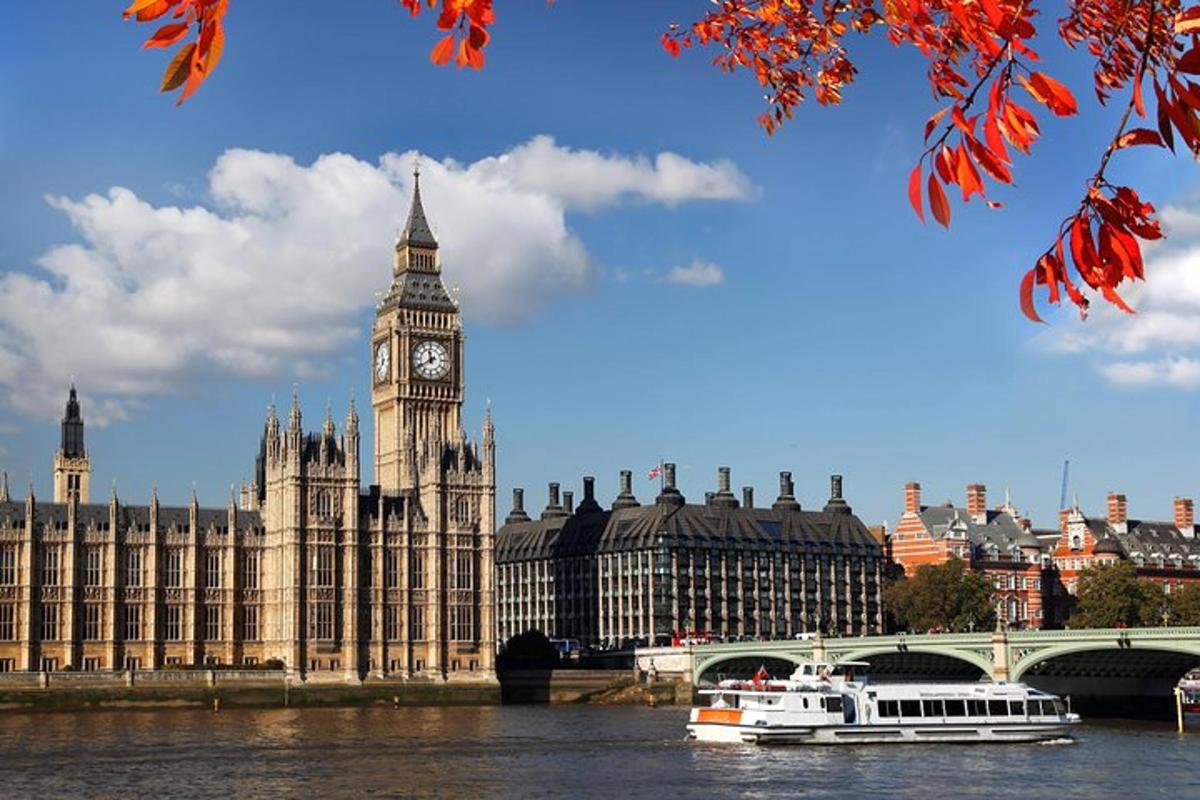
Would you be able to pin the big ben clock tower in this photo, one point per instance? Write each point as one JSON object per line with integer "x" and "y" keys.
{"x": 433, "y": 616}
{"x": 416, "y": 357}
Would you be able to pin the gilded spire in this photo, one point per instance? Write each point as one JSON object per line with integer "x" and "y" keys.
{"x": 329, "y": 427}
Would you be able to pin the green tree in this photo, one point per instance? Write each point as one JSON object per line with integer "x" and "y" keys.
{"x": 1185, "y": 606}
{"x": 948, "y": 596}
{"x": 528, "y": 650}
{"x": 1113, "y": 596}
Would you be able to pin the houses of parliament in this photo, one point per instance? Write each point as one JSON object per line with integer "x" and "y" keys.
{"x": 306, "y": 567}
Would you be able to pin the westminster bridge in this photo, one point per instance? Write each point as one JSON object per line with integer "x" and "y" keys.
{"x": 1117, "y": 666}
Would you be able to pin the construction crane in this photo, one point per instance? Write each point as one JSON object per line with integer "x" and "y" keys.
{"x": 1062, "y": 499}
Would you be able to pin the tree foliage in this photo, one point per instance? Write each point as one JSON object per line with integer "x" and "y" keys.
{"x": 950, "y": 597}
{"x": 1184, "y": 608}
{"x": 528, "y": 650}
{"x": 1113, "y": 596}
{"x": 982, "y": 70}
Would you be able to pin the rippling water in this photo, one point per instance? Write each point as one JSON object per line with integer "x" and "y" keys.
{"x": 565, "y": 751}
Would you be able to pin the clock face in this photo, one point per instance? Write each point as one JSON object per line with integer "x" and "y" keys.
{"x": 383, "y": 360}
{"x": 430, "y": 360}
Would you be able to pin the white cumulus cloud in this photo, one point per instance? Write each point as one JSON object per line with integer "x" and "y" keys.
{"x": 1160, "y": 344}
{"x": 272, "y": 276}
{"x": 698, "y": 274}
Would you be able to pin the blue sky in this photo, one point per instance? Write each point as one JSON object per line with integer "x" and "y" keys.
{"x": 845, "y": 336}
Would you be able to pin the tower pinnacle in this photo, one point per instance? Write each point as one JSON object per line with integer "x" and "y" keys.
{"x": 416, "y": 231}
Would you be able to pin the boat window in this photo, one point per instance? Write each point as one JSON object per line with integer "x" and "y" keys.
{"x": 1016, "y": 708}
{"x": 889, "y": 708}
{"x": 931, "y": 708}
{"x": 977, "y": 708}
{"x": 1040, "y": 707}
{"x": 833, "y": 703}
{"x": 956, "y": 708}
{"x": 997, "y": 708}
{"x": 805, "y": 701}
{"x": 1059, "y": 708}
{"x": 910, "y": 708}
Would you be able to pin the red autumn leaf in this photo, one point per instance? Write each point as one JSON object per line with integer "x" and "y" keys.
{"x": 1027, "y": 297}
{"x": 914, "y": 192}
{"x": 1051, "y": 94}
{"x": 443, "y": 50}
{"x": 937, "y": 202}
{"x": 1114, "y": 298}
{"x": 1139, "y": 136}
{"x": 167, "y": 35}
{"x": 179, "y": 68}
{"x": 137, "y": 6}
{"x": 1189, "y": 62}
{"x": 968, "y": 176}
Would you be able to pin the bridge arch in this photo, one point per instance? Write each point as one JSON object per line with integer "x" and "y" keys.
{"x": 1169, "y": 658}
{"x": 981, "y": 662}
{"x": 706, "y": 666}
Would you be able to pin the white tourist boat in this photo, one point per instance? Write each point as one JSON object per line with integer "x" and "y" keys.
{"x": 823, "y": 703}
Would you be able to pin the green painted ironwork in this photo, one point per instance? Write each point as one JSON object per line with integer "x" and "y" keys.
{"x": 1001, "y": 655}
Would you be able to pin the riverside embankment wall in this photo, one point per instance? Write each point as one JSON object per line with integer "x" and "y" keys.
{"x": 262, "y": 688}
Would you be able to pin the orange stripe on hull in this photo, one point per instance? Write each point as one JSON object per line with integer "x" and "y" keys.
{"x": 728, "y": 716}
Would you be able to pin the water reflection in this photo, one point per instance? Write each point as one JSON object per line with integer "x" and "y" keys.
{"x": 568, "y": 751}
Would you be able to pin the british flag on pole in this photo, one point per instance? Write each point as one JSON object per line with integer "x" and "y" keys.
{"x": 654, "y": 473}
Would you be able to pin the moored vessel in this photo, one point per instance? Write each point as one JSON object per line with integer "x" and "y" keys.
{"x": 1189, "y": 689}
{"x": 825, "y": 703}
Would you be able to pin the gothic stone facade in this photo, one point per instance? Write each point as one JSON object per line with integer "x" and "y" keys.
{"x": 642, "y": 574}
{"x": 307, "y": 568}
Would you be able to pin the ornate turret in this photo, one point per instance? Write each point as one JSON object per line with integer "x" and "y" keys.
{"x": 4, "y": 487}
{"x": 72, "y": 428}
{"x": 72, "y": 464}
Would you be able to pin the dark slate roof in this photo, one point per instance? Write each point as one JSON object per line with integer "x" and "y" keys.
{"x": 413, "y": 289}
{"x": 416, "y": 229}
{"x": 1147, "y": 539}
{"x": 685, "y": 525}
{"x": 1157, "y": 539}
{"x": 127, "y": 516}
{"x": 1001, "y": 533}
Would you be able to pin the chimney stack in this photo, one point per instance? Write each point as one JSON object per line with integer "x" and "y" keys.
{"x": 748, "y": 496}
{"x": 589, "y": 505}
{"x": 669, "y": 495}
{"x": 518, "y": 510}
{"x": 724, "y": 497}
{"x": 625, "y": 498}
{"x": 569, "y": 503}
{"x": 977, "y": 502}
{"x": 912, "y": 497}
{"x": 836, "y": 504}
{"x": 1117, "y": 511}
{"x": 787, "y": 494}
{"x": 1185, "y": 519}
{"x": 553, "y": 506}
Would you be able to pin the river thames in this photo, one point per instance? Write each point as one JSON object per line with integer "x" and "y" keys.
{"x": 539, "y": 751}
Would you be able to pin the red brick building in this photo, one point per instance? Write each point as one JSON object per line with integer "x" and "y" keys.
{"x": 998, "y": 542}
{"x": 1166, "y": 552}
